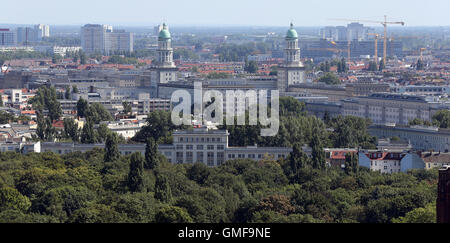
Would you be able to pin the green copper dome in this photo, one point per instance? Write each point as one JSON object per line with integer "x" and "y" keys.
{"x": 164, "y": 33}
{"x": 292, "y": 34}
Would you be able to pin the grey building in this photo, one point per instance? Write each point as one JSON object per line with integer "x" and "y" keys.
{"x": 421, "y": 138}
{"x": 8, "y": 37}
{"x": 102, "y": 39}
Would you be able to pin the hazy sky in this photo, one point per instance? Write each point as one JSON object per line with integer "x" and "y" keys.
{"x": 222, "y": 13}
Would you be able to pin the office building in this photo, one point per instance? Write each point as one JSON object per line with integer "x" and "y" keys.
{"x": 97, "y": 38}
{"x": 42, "y": 31}
{"x": 421, "y": 138}
{"x": 210, "y": 147}
{"x": 384, "y": 108}
{"x": 8, "y": 37}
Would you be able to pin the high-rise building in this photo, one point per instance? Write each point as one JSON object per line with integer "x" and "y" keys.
{"x": 353, "y": 32}
{"x": 27, "y": 35}
{"x": 102, "y": 39}
{"x": 118, "y": 40}
{"x": 42, "y": 31}
{"x": 7, "y": 37}
{"x": 292, "y": 71}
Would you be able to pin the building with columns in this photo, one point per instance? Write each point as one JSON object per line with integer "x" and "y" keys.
{"x": 292, "y": 71}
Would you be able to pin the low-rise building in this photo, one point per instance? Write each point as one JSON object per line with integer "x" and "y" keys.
{"x": 210, "y": 146}
{"x": 389, "y": 162}
{"x": 435, "y": 159}
{"x": 421, "y": 137}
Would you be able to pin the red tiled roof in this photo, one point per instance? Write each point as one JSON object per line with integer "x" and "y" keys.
{"x": 339, "y": 154}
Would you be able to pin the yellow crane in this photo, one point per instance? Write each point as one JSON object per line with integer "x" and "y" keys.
{"x": 375, "y": 56}
{"x": 385, "y": 23}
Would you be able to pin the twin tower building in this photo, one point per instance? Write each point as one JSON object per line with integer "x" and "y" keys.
{"x": 291, "y": 72}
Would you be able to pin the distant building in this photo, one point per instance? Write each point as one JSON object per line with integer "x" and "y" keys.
{"x": 211, "y": 148}
{"x": 28, "y": 35}
{"x": 102, "y": 39}
{"x": 353, "y": 32}
{"x": 336, "y": 156}
{"x": 63, "y": 50}
{"x": 435, "y": 159}
{"x": 421, "y": 138}
{"x": 390, "y": 161}
{"x": 384, "y": 108}
{"x": 42, "y": 31}
{"x": 292, "y": 71}
{"x": 8, "y": 37}
{"x": 199, "y": 145}
{"x": 164, "y": 70}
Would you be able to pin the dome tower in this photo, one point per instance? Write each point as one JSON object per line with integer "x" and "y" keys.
{"x": 292, "y": 71}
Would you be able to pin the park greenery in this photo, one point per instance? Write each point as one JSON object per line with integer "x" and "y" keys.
{"x": 103, "y": 186}
{"x": 329, "y": 78}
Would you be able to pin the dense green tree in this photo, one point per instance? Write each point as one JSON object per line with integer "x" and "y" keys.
{"x": 218, "y": 75}
{"x": 88, "y": 134}
{"x": 103, "y": 131}
{"x": 251, "y": 67}
{"x": 6, "y": 117}
{"x": 418, "y": 121}
{"x": 151, "y": 154}
{"x": 135, "y": 175}
{"x": 97, "y": 113}
{"x": 297, "y": 161}
{"x": 67, "y": 94}
{"x": 351, "y": 132}
{"x": 172, "y": 214}
{"x": 74, "y": 89}
{"x": 10, "y": 198}
{"x": 318, "y": 154}
{"x": 351, "y": 163}
{"x": 111, "y": 148}
{"x": 329, "y": 78}
{"x": 46, "y": 99}
{"x": 419, "y": 215}
{"x": 159, "y": 126}
{"x": 442, "y": 119}
{"x": 162, "y": 189}
{"x": 71, "y": 129}
{"x": 127, "y": 108}
{"x": 82, "y": 106}
{"x": 290, "y": 106}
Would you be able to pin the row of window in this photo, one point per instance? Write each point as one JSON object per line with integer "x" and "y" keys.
{"x": 199, "y": 147}
{"x": 197, "y": 139}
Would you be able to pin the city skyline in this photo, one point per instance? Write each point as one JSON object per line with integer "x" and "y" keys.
{"x": 248, "y": 13}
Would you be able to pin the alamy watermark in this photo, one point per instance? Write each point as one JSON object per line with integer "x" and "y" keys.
{"x": 209, "y": 106}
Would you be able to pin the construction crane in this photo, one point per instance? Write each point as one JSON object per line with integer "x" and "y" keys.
{"x": 375, "y": 56}
{"x": 385, "y": 23}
